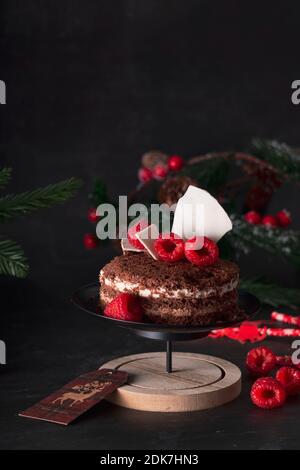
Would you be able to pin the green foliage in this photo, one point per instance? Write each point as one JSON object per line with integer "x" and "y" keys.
{"x": 279, "y": 155}
{"x": 209, "y": 174}
{"x": 12, "y": 259}
{"x": 99, "y": 194}
{"x": 29, "y": 201}
{"x": 272, "y": 294}
{"x": 5, "y": 174}
{"x": 285, "y": 243}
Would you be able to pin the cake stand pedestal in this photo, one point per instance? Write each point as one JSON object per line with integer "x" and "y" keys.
{"x": 171, "y": 381}
{"x": 197, "y": 382}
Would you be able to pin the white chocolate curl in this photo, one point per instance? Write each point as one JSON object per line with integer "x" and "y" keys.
{"x": 198, "y": 214}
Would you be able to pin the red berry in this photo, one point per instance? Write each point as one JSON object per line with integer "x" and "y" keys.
{"x": 124, "y": 307}
{"x": 207, "y": 255}
{"x": 145, "y": 174}
{"x": 175, "y": 162}
{"x": 267, "y": 393}
{"x": 253, "y": 217}
{"x": 169, "y": 247}
{"x": 90, "y": 241}
{"x": 92, "y": 216}
{"x": 269, "y": 221}
{"x": 286, "y": 361}
{"x": 283, "y": 218}
{"x": 160, "y": 172}
{"x": 132, "y": 231}
{"x": 289, "y": 379}
{"x": 260, "y": 361}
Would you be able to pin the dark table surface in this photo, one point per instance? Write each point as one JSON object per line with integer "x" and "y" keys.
{"x": 50, "y": 342}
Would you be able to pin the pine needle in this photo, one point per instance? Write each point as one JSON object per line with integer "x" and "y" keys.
{"x": 29, "y": 201}
{"x": 279, "y": 242}
{"x": 12, "y": 259}
{"x": 272, "y": 294}
{"x": 5, "y": 174}
{"x": 279, "y": 155}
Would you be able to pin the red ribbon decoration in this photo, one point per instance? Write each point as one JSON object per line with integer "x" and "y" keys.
{"x": 253, "y": 332}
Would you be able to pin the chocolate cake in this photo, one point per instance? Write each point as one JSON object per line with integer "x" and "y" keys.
{"x": 174, "y": 293}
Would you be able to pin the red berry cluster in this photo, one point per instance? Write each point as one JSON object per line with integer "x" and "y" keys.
{"x": 281, "y": 219}
{"x": 160, "y": 171}
{"x": 171, "y": 248}
{"x": 269, "y": 392}
{"x": 90, "y": 240}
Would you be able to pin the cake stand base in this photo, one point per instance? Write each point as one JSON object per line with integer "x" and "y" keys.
{"x": 197, "y": 382}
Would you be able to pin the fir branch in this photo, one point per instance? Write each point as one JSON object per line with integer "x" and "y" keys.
{"x": 279, "y": 155}
{"x": 5, "y": 174}
{"x": 275, "y": 241}
{"x": 209, "y": 174}
{"x": 99, "y": 194}
{"x": 23, "y": 203}
{"x": 12, "y": 259}
{"x": 272, "y": 294}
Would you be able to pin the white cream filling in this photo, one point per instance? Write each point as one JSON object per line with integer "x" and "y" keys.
{"x": 123, "y": 286}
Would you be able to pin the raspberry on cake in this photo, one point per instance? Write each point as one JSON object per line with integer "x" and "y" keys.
{"x": 178, "y": 293}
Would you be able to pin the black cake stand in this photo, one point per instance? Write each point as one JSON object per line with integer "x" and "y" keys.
{"x": 176, "y": 381}
{"x": 87, "y": 298}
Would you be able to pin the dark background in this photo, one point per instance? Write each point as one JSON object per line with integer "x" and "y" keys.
{"x": 91, "y": 85}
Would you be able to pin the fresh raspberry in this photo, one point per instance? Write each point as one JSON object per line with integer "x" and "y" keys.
{"x": 90, "y": 241}
{"x": 283, "y": 218}
{"x": 253, "y": 217}
{"x": 132, "y": 231}
{"x": 169, "y": 247}
{"x": 207, "y": 255}
{"x": 124, "y": 307}
{"x": 269, "y": 221}
{"x": 145, "y": 174}
{"x": 92, "y": 216}
{"x": 260, "y": 361}
{"x": 175, "y": 162}
{"x": 286, "y": 361}
{"x": 289, "y": 379}
{"x": 160, "y": 172}
{"x": 267, "y": 393}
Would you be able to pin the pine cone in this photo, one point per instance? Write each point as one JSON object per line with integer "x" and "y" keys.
{"x": 154, "y": 157}
{"x": 173, "y": 188}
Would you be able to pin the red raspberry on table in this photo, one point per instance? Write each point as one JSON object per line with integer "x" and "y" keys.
{"x": 132, "y": 231}
{"x": 175, "y": 162}
{"x": 253, "y": 217}
{"x": 289, "y": 379}
{"x": 286, "y": 361}
{"x": 260, "y": 361}
{"x": 283, "y": 218}
{"x": 207, "y": 255}
{"x": 92, "y": 216}
{"x": 145, "y": 174}
{"x": 267, "y": 393}
{"x": 269, "y": 221}
{"x": 90, "y": 241}
{"x": 124, "y": 307}
{"x": 160, "y": 172}
{"x": 169, "y": 247}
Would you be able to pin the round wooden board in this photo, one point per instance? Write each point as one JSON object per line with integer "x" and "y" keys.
{"x": 197, "y": 382}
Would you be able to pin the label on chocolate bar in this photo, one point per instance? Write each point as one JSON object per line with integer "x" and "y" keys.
{"x": 78, "y": 396}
